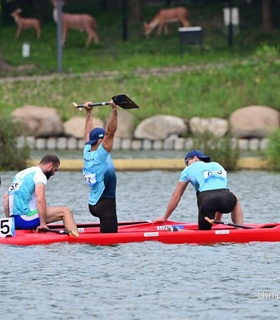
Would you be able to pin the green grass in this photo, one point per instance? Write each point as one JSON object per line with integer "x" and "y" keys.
{"x": 206, "y": 92}
{"x": 212, "y": 84}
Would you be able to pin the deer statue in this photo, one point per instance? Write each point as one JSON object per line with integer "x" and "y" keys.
{"x": 165, "y": 16}
{"x": 24, "y": 23}
{"x": 82, "y": 22}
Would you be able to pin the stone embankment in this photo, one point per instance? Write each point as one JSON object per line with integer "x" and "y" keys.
{"x": 172, "y": 143}
{"x": 175, "y": 144}
{"x": 249, "y": 126}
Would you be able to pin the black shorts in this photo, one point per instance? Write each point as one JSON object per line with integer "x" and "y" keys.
{"x": 105, "y": 210}
{"x": 212, "y": 201}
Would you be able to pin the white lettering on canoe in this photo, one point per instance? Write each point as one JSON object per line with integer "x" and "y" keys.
{"x": 164, "y": 227}
{"x": 150, "y": 234}
{"x": 222, "y": 232}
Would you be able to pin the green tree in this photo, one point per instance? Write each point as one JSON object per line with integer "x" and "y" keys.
{"x": 224, "y": 150}
{"x": 272, "y": 151}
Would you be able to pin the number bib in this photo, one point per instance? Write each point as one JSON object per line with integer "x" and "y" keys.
{"x": 90, "y": 178}
{"x": 7, "y": 227}
{"x": 216, "y": 173}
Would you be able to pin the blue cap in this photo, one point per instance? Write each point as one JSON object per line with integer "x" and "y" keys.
{"x": 199, "y": 154}
{"x": 95, "y": 134}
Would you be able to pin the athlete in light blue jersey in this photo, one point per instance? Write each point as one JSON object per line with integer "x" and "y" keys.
{"x": 99, "y": 171}
{"x": 25, "y": 199}
{"x": 209, "y": 180}
{"x": 205, "y": 176}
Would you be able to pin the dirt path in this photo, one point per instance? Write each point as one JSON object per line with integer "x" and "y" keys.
{"x": 107, "y": 74}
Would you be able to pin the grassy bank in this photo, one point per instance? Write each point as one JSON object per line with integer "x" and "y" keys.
{"x": 151, "y": 71}
{"x": 206, "y": 91}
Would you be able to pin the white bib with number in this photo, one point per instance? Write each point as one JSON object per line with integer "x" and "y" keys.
{"x": 216, "y": 173}
{"x": 7, "y": 227}
{"x": 90, "y": 178}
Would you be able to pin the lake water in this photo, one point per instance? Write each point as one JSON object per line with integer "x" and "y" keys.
{"x": 146, "y": 280}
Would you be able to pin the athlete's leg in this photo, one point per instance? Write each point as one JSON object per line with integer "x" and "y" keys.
{"x": 218, "y": 216}
{"x": 105, "y": 210}
{"x": 62, "y": 213}
{"x": 236, "y": 213}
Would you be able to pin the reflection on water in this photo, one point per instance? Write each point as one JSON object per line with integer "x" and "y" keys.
{"x": 146, "y": 280}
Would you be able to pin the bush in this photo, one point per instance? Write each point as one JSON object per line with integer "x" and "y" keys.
{"x": 272, "y": 151}
{"x": 12, "y": 157}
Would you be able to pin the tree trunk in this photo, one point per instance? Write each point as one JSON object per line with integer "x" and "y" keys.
{"x": 266, "y": 16}
{"x": 136, "y": 10}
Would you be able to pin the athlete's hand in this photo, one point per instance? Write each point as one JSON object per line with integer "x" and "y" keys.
{"x": 42, "y": 227}
{"x": 113, "y": 105}
{"x": 160, "y": 219}
{"x": 87, "y": 107}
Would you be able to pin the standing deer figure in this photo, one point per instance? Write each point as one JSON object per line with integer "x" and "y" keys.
{"x": 82, "y": 22}
{"x": 165, "y": 16}
{"x": 24, "y": 23}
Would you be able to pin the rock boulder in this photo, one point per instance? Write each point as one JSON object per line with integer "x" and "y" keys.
{"x": 254, "y": 121}
{"x": 215, "y": 126}
{"x": 160, "y": 127}
{"x": 76, "y": 126}
{"x": 39, "y": 121}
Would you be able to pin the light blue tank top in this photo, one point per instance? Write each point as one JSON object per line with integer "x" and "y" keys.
{"x": 205, "y": 176}
{"x": 21, "y": 192}
{"x": 99, "y": 173}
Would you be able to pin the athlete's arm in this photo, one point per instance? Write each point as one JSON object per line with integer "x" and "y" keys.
{"x": 41, "y": 203}
{"x": 6, "y": 205}
{"x": 174, "y": 201}
{"x": 111, "y": 128}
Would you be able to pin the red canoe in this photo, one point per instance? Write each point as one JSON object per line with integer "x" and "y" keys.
{"x": 170, "y": 232}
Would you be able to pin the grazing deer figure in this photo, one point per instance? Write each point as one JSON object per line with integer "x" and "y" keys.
{"x": 165, "y": 16}
{"x": 82, "y": 22}
{"x": 24, "y": 23}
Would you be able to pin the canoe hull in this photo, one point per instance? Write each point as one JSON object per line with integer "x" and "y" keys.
{"x": 186, "y": 233}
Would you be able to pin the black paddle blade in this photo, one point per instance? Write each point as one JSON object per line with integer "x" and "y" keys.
{"x": 124, "y": 102}
{"x": 120, "y": 100}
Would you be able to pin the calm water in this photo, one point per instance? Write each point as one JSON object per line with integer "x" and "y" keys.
{"x": 146, "y": 280}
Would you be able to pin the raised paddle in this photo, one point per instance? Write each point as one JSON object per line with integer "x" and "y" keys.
{"x": 121, "y": 100}
{"x": 212, "y": 221}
